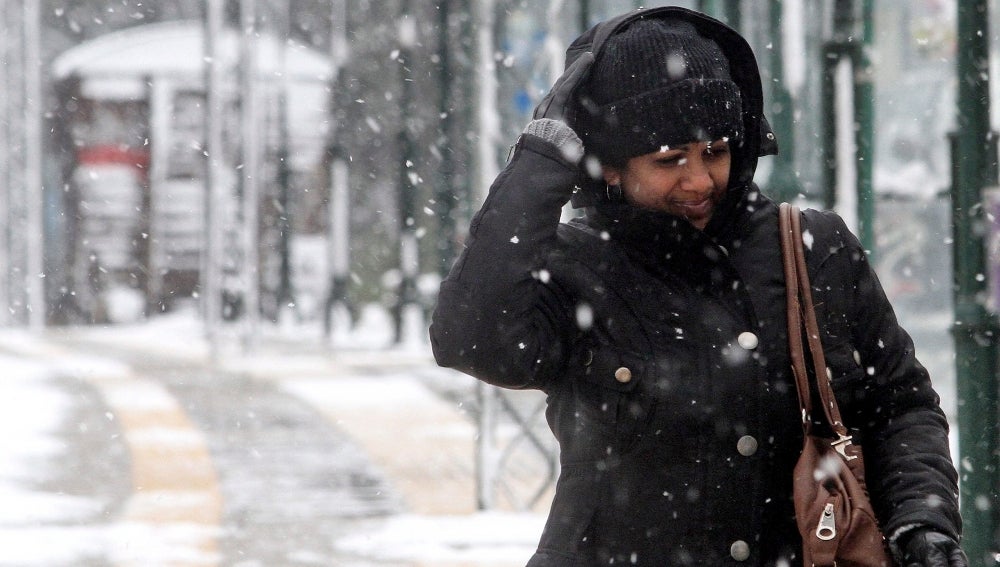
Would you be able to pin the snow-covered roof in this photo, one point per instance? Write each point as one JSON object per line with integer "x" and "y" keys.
{"x": 112, "y": 63}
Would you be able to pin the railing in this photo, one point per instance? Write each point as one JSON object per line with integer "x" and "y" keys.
{"x": 517, "y": 459}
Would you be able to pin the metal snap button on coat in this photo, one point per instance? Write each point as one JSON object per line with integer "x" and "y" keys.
{"x": 747, "y": 445}
{"x": 623, "y": 375}
{"x": 747, "y": 340}
{"x": 739, "y": 550}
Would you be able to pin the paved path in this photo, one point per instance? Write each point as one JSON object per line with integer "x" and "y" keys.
{"x": 260, "y": 461}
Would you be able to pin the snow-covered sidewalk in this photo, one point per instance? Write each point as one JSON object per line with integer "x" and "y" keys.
{"x": 379, "y": 397}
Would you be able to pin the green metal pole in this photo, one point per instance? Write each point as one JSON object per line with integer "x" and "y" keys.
{"x": 864, "y": 117}
{"x": 409, "y": 250}
{"x": 446, "y": 193}
{"x": 840, "y": 45}
{"x": 828, "y": 137}
{"x": 974, "y": 167}
{"x": 285, "y": 293}
{"x": 782, "y": 183}
{"x": 732, "y": 14}
{"x": 726, "y": 10}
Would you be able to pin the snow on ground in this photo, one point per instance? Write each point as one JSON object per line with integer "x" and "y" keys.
{"x": 31, "y": 409}
{"x": 487, "y": 538}
{"x": 50, "y": 529}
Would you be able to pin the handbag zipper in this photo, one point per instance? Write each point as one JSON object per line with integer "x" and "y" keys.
{"x": 827, "y": 528}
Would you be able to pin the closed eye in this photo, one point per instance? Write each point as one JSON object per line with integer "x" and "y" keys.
{"x": 716, "y": 149}
{"x": 672, "y": 161}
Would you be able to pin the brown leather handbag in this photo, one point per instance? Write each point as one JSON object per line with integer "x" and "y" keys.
{"x": 832, "y": 508}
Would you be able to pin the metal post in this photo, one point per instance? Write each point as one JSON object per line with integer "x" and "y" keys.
{"x": 726, "y": 10}
{"x": 15, "y": 180}
{"x": 211, "y": 276}
{"x": 486, "y": 458}
{"x": 446, "y": 193}
{"x": 828, "y": 137}
{"x": 864, "y": 119}
{"x": 783, "y": 183}
{"x": 6, "y": 108}
{"x": 837, "y": 52}
{"x": 732, "y": 14}
{"x": 487, "y": 119}
{"x": 467, "y": 185}
{"x": 250, "y": 193}
{"x": 554, "y": 48}
{"x": 34, "y": 189}
{"x": 161, "y": 91}
{"x": 337, "y": 313}
{"x": 974, "y": 167}
{"x": 285, "y": 299}
{"x": 408, "y": 315}
{"x": 487, "y": 169}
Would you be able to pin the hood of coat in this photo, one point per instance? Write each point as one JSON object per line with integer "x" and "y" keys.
{"x": 759, "y": 141}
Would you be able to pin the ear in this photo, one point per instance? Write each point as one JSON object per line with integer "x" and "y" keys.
{"x": 612, "y": 175}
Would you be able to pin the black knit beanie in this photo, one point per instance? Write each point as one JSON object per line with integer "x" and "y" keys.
{"x": 655, "y": 84}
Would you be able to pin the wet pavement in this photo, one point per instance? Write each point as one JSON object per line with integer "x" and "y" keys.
{"x": 291, "y": 481}
{"x": 254, "y": 462}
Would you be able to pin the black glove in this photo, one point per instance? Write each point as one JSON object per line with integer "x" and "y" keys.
{"x": 924, "y": 547}
{"x": 558, "y": 103}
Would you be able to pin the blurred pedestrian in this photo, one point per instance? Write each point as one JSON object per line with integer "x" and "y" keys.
{"x": 655, "y": 322}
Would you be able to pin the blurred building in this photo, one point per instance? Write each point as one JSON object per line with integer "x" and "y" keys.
{"x": 134, "y": 119}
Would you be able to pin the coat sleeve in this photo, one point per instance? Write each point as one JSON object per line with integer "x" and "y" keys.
{"x": 908, "y": 464}
{"x": 498, "y": 317}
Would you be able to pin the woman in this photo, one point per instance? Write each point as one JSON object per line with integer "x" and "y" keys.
{"x": 656, "y": 322}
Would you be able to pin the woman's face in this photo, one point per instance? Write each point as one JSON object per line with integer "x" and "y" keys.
{"x": 687, "y": 181}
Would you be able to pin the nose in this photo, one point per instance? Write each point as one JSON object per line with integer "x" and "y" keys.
{"x": 697, "y": 177}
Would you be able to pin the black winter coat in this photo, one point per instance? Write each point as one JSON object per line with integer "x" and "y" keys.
{"x": 663, "y": 351}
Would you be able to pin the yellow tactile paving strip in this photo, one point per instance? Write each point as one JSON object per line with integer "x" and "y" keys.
{"x": 176, "y": 500}
{"x": 174, "y": 513}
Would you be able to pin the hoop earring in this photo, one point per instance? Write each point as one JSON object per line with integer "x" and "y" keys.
{"x": 613, "y": 192}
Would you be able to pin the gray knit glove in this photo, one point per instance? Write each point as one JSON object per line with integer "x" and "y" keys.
{"x": 560, "y": 135}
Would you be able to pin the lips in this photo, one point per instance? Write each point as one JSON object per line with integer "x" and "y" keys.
{"x": 696, "y": 208}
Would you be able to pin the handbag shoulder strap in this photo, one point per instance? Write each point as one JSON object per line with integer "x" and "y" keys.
{"x": 802, "y": 315}
{"x": 794, "y": 314}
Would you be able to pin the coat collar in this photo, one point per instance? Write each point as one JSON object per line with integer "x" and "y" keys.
{"x": 661, "y": 232}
